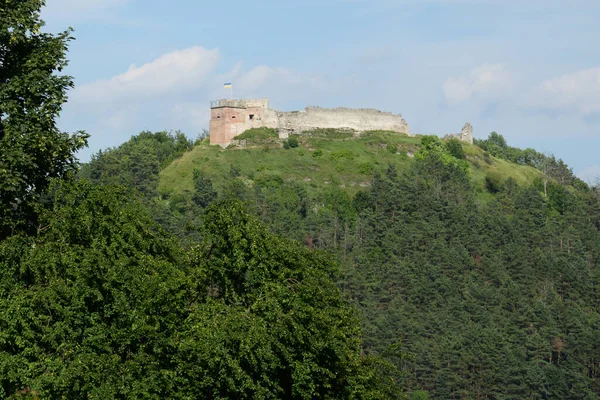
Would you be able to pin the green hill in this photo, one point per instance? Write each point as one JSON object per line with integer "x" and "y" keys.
{"x": 474, "y": 269}
{"x": 322, "y": 159}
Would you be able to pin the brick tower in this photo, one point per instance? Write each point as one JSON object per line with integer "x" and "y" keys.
{"x": 229, "y": 118}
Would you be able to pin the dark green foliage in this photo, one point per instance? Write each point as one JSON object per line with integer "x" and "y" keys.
{"x": 89, "y": 306}
{"x": 274, "y": 323}
{"x": 317, "y": 153}
{"x": 32, "y": 150}
{"x": 455, "y": 149}
{"x": 204, "y": 192}
{"x": 136, "y": 163}
{"x": 485, "y": 299}
{"x": 103, "y": 304}
{"x": 292, "y": 141}
{"x": 494, "y": 182}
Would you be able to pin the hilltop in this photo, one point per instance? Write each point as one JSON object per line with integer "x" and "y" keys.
{"x": 323, "y": 158}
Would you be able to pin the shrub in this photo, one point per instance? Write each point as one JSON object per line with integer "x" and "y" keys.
{"x": 455, "y": 148}
{"x": 494, "y": 182}
{"x": 317, "y": 153}
{"x": 293, "y": 141}
{"x": 366, "y": 169}
{"x": 338, "y": 155}
{"x": 392, "y": 148}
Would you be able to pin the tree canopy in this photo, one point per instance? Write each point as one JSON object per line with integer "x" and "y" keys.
{"x": 32, "y": 149}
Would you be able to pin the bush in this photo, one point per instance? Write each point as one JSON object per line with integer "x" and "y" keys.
{"x": 392, "y": 148}
{"x": 494, "y": 182}
{"x": 455, "y": 148}
{"x": 365, "y": 169}
{"x": 317, "y": 153}
{"x": 338, "y": 155}
{"x": 293, "y": 141}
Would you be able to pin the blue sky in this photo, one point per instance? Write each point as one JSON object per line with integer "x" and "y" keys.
{"x": 528, "y": 69}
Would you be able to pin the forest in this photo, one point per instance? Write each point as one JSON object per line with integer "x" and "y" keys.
{"x": 386, "y": 267}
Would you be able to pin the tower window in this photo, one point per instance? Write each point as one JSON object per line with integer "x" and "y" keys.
{"x": 251, "y": 117}
{"x": 233, "y": 116}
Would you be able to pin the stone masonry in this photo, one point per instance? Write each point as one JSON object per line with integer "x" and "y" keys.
{"x": 466, "y": 135}
{"x": 230, "y": 118}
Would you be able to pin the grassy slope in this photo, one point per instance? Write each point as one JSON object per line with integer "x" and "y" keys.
{"x": 344, "y": 161}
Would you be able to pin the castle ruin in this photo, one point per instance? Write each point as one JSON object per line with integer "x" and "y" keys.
{"x": 466, "y": 135}
{"x": 230, "y": 118}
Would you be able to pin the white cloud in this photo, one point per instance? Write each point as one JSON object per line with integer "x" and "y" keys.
{"x": 486, "y": 82}
{"x": 171, "y": 92}
{"x": 577, "y": 92}
{"x": 194, "y": 114}
{"x": 180, "y": 70}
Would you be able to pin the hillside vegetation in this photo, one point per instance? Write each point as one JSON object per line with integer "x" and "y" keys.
{"x": 323, "y": 158}
{"x": 474, "y": 269}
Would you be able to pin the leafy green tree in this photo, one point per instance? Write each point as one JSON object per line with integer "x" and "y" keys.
{"x": 455, "y": 148}
{"x": 204, "y": 192}
{"x": 32, "y": 149}
{"x": 137, "y": 162}
{"x": 274, "y": 324}
{"x": 89, "y": 306}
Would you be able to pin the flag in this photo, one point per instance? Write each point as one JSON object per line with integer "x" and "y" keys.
{"x": 227, "y": 85}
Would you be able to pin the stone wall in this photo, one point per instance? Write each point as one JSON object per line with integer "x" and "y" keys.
{"x": 230, "y": 118}
{"x": 466, "y": 135}
{"x": 359, "y": 120}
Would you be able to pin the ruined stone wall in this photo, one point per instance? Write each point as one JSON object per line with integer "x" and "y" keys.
{"x": 341, "y": 118}
{"x": 466, "y": 135}
{"x": 230, "y": 118}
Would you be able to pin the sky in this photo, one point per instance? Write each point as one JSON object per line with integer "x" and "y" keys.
{"x": 527, "y": 69}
